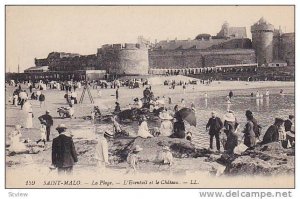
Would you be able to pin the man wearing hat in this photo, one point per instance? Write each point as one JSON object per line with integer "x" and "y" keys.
{"x": 63, "y": 151}
{"x": 215, "y": 125}
{"x": 49, "y": 122}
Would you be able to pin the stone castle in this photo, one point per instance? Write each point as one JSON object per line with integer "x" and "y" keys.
{"x": 269, "y": 47}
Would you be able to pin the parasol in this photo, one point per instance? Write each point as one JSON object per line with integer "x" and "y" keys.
{"x": 188, "y": 115}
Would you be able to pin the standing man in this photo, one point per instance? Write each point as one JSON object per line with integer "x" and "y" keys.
{"x": 42, "y": 99}
{"x": 230, "y": 94}
{"x": 63, "y": 151}
{"x": 215, "y": 125}
{"x": 30, "y": 87}
{"x": 49, "y": 122}
{"x": 74, "y": 97}
{"x": 117, "y": 94}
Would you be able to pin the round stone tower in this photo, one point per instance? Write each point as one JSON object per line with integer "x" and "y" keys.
{"x": 262, "y": 41}
{"x": 225, "y": 28}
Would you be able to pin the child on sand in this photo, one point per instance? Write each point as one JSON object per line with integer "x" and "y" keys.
{"x": 133, "y": 158}
{"x": 167, "y": 156}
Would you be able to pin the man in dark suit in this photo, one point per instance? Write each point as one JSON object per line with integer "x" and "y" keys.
{"x": 215, "y": 125}
{"x": 63, "y": 151}
{"x": 49, "y": 122}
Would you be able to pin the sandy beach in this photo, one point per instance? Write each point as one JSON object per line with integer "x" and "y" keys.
{"x": 54, "y": 99}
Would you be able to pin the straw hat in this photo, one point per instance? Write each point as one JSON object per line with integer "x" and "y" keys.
{"x": 137, "y": 148}
{"x": 47, "y": 111}
{"x": 165, "y": 116}
{"x": 229, "y": 117}
{"x": 61, "y": 126}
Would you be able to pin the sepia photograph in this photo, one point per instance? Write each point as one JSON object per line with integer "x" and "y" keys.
{"x": 106, "y": 97}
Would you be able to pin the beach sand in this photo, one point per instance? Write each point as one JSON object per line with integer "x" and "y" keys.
{"x": 55, "y": 99}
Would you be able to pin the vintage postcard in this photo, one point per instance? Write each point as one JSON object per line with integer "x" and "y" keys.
{"x": 150, "y": 96}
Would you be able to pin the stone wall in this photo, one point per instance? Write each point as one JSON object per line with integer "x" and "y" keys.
{"x": 87, "y": 62}
{"x": 288, "y": 48}
{"x": 199, "y": 59}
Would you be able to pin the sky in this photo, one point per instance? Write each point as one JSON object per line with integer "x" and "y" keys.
{"x": 35, "y": 31}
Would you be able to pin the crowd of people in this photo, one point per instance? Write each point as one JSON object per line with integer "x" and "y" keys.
{"x": 173, "y": 124}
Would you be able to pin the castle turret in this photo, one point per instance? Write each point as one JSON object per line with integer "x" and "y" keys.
{"x": 224, "y": 32}
{"x": 225, "y": 28}
{"x": 262, "y": 41}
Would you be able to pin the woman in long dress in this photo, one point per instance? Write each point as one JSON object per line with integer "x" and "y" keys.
{"x": 27, "y": 108}
{"x": 143, "y": 131}
{"x": 249, "y": 135}
{"x": 166, "y": 127}
{"x": 102, "y": 150}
